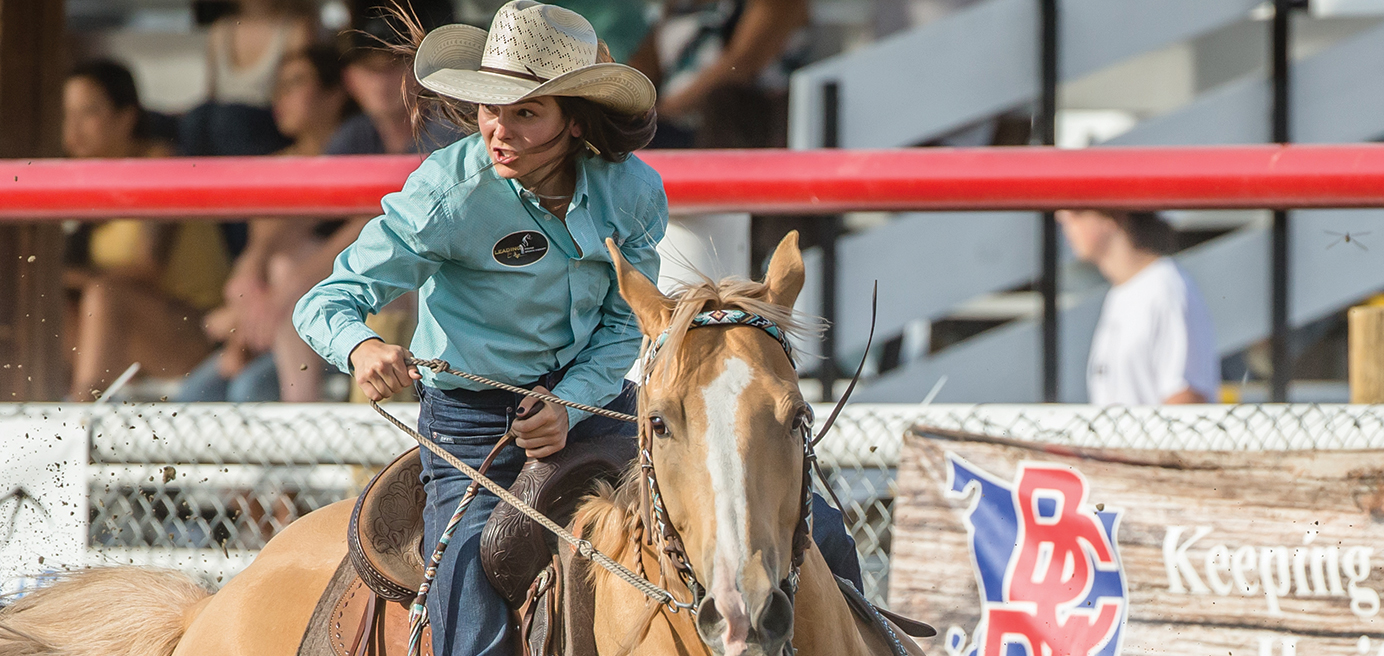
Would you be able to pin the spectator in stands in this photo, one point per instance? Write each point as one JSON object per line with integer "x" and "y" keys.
{"x": 381, "y": 82}
{"x": 262, "y": 357}
{"x": 140, "y": 287}
{"x": 102, "y": 116}
{"x": 622, "y": 24}
{"x": 721, "y": 68}
{"x": 1153, "y": 343}
{"x": 244, "y": 51}
{"x": 310, "y": 99}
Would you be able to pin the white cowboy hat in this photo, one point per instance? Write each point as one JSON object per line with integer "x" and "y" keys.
{"x": 532, "y": 50}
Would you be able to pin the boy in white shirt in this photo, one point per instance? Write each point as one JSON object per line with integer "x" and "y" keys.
{"x": 1153, "y": 344}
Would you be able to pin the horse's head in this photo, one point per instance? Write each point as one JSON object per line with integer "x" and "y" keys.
{"x": 721, "y": 413}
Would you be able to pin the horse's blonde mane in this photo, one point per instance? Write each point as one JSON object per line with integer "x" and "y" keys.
{"x": 608, "y": 516}
{"x": 729, "y": 293}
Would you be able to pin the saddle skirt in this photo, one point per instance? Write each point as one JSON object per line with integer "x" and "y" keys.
{"x": 351, "y": 620}
{"x": 384, "y": 538}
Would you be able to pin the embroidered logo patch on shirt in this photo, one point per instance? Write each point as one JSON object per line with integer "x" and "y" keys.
{"x": 522, "y": 248}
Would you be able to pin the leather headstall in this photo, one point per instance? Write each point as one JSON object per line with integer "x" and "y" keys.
{"x": 651, "y": 500}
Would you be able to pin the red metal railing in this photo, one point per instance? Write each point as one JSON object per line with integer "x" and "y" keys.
{"x": 764, "y": 181}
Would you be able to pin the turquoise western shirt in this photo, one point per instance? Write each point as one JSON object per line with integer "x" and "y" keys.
{"x": 506, "y": 290}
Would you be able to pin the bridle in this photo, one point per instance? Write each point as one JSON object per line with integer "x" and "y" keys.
{"x": 651, "y": 500}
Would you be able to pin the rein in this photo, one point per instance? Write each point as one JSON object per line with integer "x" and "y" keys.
{"x": 651, "y": 499}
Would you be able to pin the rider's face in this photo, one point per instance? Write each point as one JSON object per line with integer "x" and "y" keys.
{"x": 523, "y": 137}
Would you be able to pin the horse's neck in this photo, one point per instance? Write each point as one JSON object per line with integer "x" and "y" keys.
{"x": 822, "y": 622}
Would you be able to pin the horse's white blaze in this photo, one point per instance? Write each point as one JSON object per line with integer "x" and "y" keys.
{"x": 727, "y": 469}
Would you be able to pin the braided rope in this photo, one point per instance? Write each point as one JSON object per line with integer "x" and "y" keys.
{"x": 582, "y": 547}
{"x": 441, "y": 367}
{"x": 418, "y": 610}
{"x": 637, "y": 539}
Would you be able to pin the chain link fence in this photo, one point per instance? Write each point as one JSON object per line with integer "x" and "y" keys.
{"x": 203, "y": 487}
{"x": 1249, "y": 427}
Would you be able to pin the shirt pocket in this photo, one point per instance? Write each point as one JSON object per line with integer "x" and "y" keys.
{"x": 590, "y": 284}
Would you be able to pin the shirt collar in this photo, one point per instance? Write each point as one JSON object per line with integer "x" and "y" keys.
{"x": 579, "y": 189}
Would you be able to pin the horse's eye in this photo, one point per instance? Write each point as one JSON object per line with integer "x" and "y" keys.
{"x": 803, "y": 420}
{"x": 659, "y": 428}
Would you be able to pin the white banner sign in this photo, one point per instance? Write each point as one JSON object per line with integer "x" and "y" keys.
{"x": 1015, "y": 548}
{"x": 43, "y": 498}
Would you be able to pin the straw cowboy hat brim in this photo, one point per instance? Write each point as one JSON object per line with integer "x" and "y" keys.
{"x": 448, "y": 62}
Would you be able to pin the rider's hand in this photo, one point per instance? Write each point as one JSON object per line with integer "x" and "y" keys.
{"x": 380, "y": 369}
{"x": 545, "y": 432}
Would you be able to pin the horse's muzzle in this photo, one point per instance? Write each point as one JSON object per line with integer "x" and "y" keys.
{"x": 767, "y": 635}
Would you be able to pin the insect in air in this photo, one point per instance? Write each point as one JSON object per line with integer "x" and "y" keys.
{"x": 1348, "y": 238}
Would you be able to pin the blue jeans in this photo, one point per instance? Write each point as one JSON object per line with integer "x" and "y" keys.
{"x": 469, "y": 618}
{"x": 835, "y": 542}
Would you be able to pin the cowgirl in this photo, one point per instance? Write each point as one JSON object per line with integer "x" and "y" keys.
{"x": 503, "y": 235}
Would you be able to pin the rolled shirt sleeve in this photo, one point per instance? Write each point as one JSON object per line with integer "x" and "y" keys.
{"x": 391, "y": 257}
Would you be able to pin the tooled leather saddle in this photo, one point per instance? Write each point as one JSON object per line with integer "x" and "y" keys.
{"x": 364, "y": 611}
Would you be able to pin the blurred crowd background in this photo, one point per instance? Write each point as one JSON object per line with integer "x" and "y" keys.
{"x": 203, "y": 307}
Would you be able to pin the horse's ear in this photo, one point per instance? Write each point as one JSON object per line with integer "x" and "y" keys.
{"x": 785, "y": 276}
{"x": 651, "y": 307}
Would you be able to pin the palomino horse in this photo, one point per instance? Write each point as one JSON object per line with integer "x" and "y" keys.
{"x": 723, "y": 427}
{"x": 722, "y": 421}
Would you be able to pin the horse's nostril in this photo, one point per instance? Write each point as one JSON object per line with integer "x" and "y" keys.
{"x": 772, "y": 629}
{"x": 776, "y": 620}
{"x": 710, "y": 623}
